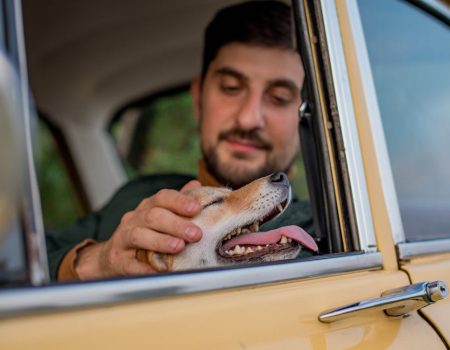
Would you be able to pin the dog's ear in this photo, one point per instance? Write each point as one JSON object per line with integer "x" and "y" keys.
{"x": 158, "y": 261}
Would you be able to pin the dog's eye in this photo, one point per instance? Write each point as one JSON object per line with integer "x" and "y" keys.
{"x": 215, "y": 201}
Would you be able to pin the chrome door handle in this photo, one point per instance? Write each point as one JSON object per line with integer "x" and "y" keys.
{"x": 395, "y": 302}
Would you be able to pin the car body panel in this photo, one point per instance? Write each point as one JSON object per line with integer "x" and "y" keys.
{"x": 386, "y": 216}
{"x": 276, "y": 316}
{"x": 435, "y": 267}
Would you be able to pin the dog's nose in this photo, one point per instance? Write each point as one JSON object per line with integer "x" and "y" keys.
{"x": 279, "y": 178}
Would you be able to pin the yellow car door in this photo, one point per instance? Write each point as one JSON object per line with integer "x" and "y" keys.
{"x": 411, "y": 80}
{"x": 335, "y": 300}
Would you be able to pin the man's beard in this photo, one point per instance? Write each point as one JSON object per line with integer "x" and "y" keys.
{"x": 236, "y": 176}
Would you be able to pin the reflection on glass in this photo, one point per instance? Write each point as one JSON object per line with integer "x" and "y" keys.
{"x": 409, "y": 52}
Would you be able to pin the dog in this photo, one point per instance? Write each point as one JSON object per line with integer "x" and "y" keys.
{"x": 230, "y": 222}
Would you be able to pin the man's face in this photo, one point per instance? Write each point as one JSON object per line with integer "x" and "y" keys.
{"x": 248, "y": 109}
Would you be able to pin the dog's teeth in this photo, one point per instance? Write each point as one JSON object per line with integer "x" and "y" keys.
{"x": 283, "y": 240}
{"x": 235, "y": 232}
{"x": 289, "y": 240}
{"x": 245, "y": 230}
{"x": 249, "y": 250}
{"x": 259, "y": 247}
{"x": 280, "y": 207}
{"x": 255, "y": 227}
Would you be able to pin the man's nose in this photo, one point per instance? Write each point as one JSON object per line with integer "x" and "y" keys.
{"x": 251, "y": 115}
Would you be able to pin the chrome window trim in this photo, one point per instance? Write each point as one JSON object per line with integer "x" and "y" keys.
{"x": 414, "y": 249}
{"x": 381, "y": 153}
{"x": 348, "y": 126}
{"x": 37, "y": 252}
{"x": 59, "y": 297}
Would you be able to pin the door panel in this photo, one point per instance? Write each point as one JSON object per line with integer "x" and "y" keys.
{"x": 433, "y": 268}
{"x": 411, "y": 79}
{"x": 280, "y": 316}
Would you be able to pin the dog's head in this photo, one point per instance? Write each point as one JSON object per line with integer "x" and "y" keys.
{"x": 230, "y": 222}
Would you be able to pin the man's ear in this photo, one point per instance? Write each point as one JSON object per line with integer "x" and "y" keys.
{"x": 196, "y": 87}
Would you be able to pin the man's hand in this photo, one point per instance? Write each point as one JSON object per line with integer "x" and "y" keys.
{"x": 160, "y": 223}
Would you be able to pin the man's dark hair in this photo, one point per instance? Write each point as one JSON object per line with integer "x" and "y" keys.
{"x": 258, "y": 23}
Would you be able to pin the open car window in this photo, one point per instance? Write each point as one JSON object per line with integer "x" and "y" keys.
{"x": 114, "y": 118}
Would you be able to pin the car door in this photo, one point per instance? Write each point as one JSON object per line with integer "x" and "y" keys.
{"x": 411, "y": 78}
{"x": 268, "y": 306}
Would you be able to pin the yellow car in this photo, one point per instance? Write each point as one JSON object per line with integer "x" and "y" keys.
{"x": 82, "y": 81}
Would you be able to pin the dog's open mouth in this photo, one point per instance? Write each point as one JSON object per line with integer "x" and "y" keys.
{"x": 248, "y": 242}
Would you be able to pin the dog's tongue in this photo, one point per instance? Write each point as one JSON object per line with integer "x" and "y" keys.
{"x": 272, "y": 237}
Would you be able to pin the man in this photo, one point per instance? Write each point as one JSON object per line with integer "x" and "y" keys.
{"x": 246, "y": 99}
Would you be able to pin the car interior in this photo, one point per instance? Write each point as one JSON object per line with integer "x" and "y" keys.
{"x": 109, "y": 81}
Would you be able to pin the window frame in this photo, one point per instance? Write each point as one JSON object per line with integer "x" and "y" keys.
{"x": 82, "y": 294}
{"x": 30, "y": 209}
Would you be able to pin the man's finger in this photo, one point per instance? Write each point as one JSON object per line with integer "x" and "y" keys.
{"x": 164, "y": 221}
{"x": 174, "y": 201}
{"x": 143, "y": 238}
{"x": 190, "y": 185}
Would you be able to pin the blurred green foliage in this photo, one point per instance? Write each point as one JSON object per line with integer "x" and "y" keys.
{"x": 59, "y": 203}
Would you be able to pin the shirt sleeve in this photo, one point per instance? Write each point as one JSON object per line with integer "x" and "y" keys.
{"x": 59, "y": 244}
{"x": 66, "y": 270}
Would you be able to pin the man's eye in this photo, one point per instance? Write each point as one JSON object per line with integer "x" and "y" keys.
{"x": 230, "y": 89}
{"x": 280, "y": 96}
{"x": 280, "y": 101}
{"x": 215, "y": 201}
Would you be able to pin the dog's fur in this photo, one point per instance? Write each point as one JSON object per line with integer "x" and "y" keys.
{"x": 223, "y": 212}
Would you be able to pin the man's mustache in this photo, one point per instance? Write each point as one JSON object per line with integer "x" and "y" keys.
{"x": 251, "y": 135}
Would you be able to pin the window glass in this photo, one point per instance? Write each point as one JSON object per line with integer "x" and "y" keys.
{"x": 409, "y": 52}
{"x": 59, "y": 203}
{"x": 162, "y": 137}
{"x": 13, "y": 267}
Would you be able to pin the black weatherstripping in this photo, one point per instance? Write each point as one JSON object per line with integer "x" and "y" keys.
{"x": 321, "y": 139}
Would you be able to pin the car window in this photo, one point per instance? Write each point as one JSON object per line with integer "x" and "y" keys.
{"x": 164, "y": 134}
{"x": 154, "y": 135}
{"x": 409, "y": 53}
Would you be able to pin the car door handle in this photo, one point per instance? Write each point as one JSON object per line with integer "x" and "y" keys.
{"x": 395, "y": 302}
